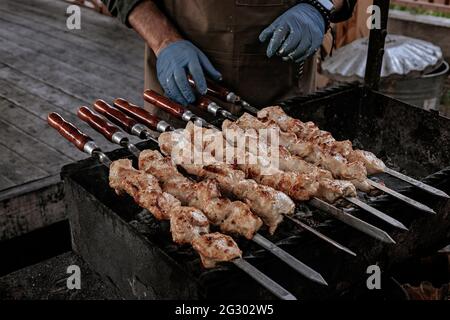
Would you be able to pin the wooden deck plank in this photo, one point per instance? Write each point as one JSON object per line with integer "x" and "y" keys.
{"x": 37, "y": 127}
{"x": 56, "y": 24}
{"x": 35, "y": 41}
{"x": 26, "y": 106}
{"x": 62, "y": 45}
{"x": 31, "y": 149}
{"x": 91, "y": 49}
{"x": 110, "y": 31}
{"x": 80, "y": 83}
{"x": 5, "y": 182}
{"x": 45, "y": 67}
{"x": 17, "y": 169}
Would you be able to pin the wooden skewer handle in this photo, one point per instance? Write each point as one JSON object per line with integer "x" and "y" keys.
{"x": 114, "y": 115}
{"x": 98, "y": 123}
{"x": 203, "y": 103}
{"x": 68, "y": 131}
{"x": 214, "y": 89}
{"x": 164, "y": 103}
{"x": 138, "y": 113}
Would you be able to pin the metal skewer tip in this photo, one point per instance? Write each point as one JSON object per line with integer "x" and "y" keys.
{"x": 294, "y": 263}
{"x": 321, "y": 236}
{"x": 376, "y": 213}
{"x": 352, "y": 221}
{"x": 407, "y": 200}
{"x": 264, "y": 280}
{"x": 417, "y": 183}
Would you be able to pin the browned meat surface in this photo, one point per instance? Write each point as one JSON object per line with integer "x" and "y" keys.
{"x": 143, "y": 187}
{"x": 186, "y": 224}
{"x": 215, "y": 248}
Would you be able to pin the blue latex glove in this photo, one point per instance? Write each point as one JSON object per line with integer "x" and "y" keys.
{"x": 173, "y": 64}
{"x": 296, "y": 34}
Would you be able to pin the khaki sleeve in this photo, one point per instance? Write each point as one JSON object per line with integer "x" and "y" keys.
{"x": 121, "y": 8}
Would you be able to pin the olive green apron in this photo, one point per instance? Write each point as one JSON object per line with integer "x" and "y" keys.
{"x": 227, "y": 32}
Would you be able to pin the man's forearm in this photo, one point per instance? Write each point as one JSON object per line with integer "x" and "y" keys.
{"x": 153, "y": 26}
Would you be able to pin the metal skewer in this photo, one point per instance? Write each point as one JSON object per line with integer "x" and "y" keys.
{"x": 352, "y": 221}
{"x": 178, "y": 110}
{"x": 407, "y": 200}
{"x": 320, "y": 235}
{"x": 379, "y": 214}
{"x": 225, "y": 95}
{"x": 115, "y": 135}
{"x": 417, "y": 183}
{"x": 87, "y": 145}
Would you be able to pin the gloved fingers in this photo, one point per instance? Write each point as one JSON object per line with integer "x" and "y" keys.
{"x": 171, "y": 89}
{"x": 279, "y": 35}
{"x": 289, "y": 45}
{"x": 196, "y": 71}
{"x": 208, "y": 67}
{"x": 315, "y": 44}
{"x": 302, "y": 48}
{"x": 267, "y": 33}
{"x": 183, "y": 85}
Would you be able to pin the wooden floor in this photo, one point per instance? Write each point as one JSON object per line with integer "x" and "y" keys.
{"x": 45, "y": 67}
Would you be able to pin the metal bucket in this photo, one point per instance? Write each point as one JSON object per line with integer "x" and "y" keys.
{"x": 424, "y": 92}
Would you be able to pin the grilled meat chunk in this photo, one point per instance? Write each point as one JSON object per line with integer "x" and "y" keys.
{"x": 186, "y": 224}
{"x": 215, "y": 248}
{"x": 143, "y": 187}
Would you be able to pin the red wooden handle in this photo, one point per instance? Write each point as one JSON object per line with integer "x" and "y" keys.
{"x": 98, "y": 123}
{"x": 214, "y": 89}
{"x": 164, "y": 103}
{"x": 138, "y": 113}
{"x": 203, "y": 103}
{"x": 115, "y": 116}
{"x": 68, "y": 130}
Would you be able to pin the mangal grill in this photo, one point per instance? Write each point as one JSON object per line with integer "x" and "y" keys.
{"x": 134, "y": 251}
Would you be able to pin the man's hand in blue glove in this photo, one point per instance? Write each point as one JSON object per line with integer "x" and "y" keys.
{"x": 296, "y": 34}
{"x": 173, "y": 64}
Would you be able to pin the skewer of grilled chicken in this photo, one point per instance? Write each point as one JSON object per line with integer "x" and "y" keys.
{"x": 337, "y": 164}
{"x": 233, "y": 217}
{"x": 329, "y": 189}
{"x": 310, "y": 132}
